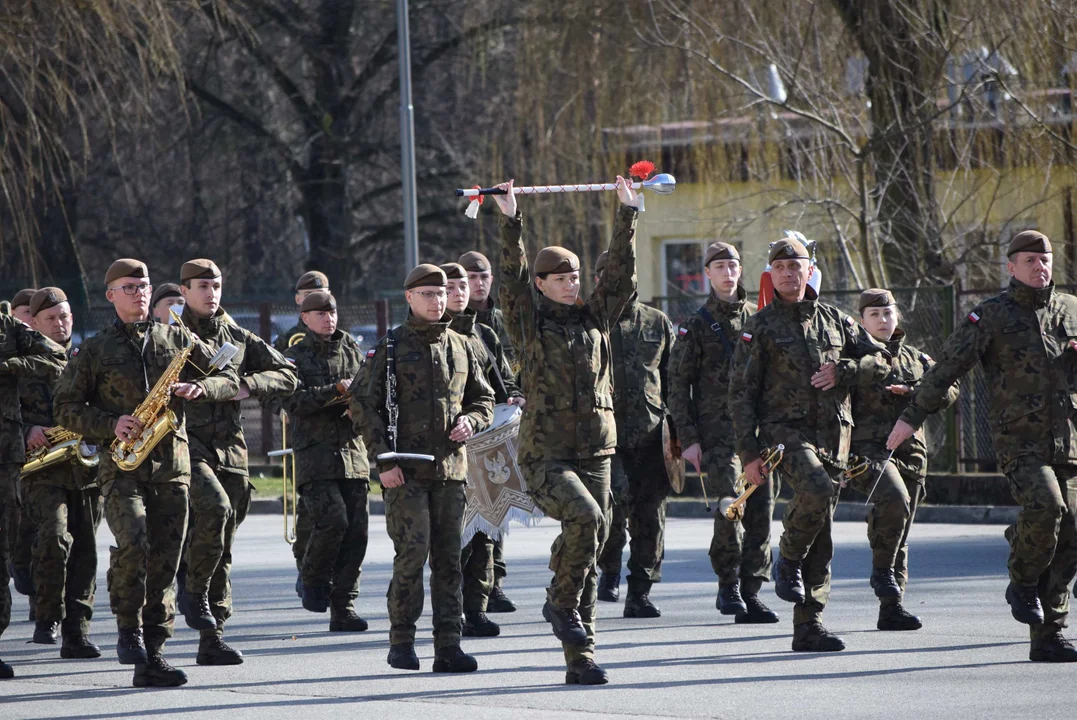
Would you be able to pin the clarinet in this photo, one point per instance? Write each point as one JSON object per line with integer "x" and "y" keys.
{"x": 390, "y": 390}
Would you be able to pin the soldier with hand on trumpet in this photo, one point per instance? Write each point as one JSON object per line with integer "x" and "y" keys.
{"x": 112, "y": 390}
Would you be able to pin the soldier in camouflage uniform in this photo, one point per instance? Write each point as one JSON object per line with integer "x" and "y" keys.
{"x": 480, "y": 277}
{"x": 699, "y": 400}
{"x": 477, "y": 557}
{"x": 220, "y": 491}
{"x": 24, "y": 530}
{"x": 62, "y": 501}
{"x": 1025, "y": 339}
{"x": 568, "y": 431}
{"x": 20, "y": 305}
{"x": 146, "y": 508}
{"x": 333, "y": 473}
{"x": 442, "y": 400}
{"x": 901, "y": 483}
{"x": 23, "y": 352}
{"x": 166, "y": 297}
{"x": 792, "y": 372}
{"x": 642, "y": 340}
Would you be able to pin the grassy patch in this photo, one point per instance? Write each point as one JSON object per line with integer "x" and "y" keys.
{"x": 272, "y": 486}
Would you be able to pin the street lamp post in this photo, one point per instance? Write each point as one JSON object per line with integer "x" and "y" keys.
{"x": 407, "y": 139}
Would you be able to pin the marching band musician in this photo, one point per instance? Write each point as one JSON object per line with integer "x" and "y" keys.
{"x": 108, "y": 377}
{"x": 423, "y": 390}
{"x": 62, "y": 501}
{"x": 477, "y": 558}
{"x": 20, "y": 305}
{"x": 332, "y": 470}
{"x": 166, "y": 298}
{"x": 700, "y": 376}
{"x": 795, "y": 363}
{"x": 642, "y": 339}
{"x": 568, "y": 431}
{"x": 220, "y": 490}
{"x": 24, "y": 530}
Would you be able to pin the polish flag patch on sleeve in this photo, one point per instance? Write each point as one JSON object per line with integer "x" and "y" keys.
{"x": 746, "y": 337}
{"x": 370, "y": 353}
{"x": 974, "y": 318}
{"x": 682, "y": 331}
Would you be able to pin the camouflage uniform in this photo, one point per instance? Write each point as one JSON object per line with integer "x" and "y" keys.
{"x": 302, "y": 519}
{"x": 23, "y": 352}
{"x": 220, "y": 486}
{"x": 477, "y": 558}
{"x": 146, "y": 508}
{"x": 642, "y": 340}
{"x": 64, "y": 504}
{"x": 699, "y": 399}
{"x": 901, "y": 488}
{"x": 332, "y": 469}
{"x": 1020, "y": 338}
{"x": 568, "y": 430}
{"x": 440, "y": 378}
{"x": 770, "y": 393}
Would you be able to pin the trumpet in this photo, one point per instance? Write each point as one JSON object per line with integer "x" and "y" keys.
{"x": 733, "y": 508}
{"x": 290, "y": 491}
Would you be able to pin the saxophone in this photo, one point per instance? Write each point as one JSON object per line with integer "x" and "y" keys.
{"x": 64, "y": 446}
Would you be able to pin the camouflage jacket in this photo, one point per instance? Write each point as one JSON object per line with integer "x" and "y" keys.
{"x": 770, "y": 391}
{"x": 24, "y": 353}
{"x": 700, "y": 373}
{"x": 1021, "y": 340}
{"x": 488, "y": 348}
{"x": 491, "y": 316}
{"x": 326, "y": 444}
{"x": 215, "y": 430}
{"x": 281, "y": 343}
{"x": 642, "y": 339}
{"x": 439, "y": 377}
{"x": 564, "y": 350}
{"x": 876, "y": 409}
{"x": 113, "y": 371}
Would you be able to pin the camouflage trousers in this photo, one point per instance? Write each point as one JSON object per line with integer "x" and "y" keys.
{"x": 477, "y": 568}
{"x": 577, "y": 494}
{"x": 500, "y": 568}
{"x": 425, "y": 521}
{"x": 22, "y": 544}
{"x": 149, "y": 522}
{"x": 808, "y": 526}
{"x": 219, "y": 504}
{"x": 893, "y": 510}
{"x": 739, "y": 550}
{"x": 640, "y": 489}
{"x": 1043, "y": 546}
{"x": 303, "y": 527}
{"x": 340, "y": 515}
{"x": 65, "y": 555}
{"x": 9, "y": 476}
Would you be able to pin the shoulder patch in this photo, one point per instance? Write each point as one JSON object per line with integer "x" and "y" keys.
{"x": 925, "y": 357}
{"x": 849, "y": 321}
{"x": 75, "y": 352}
{"x": 291, "y": 360}
{"x": 682, "y": 331}
{"x": 974, "y": 318}
{"x": 370, "y": 352}
{"x": 746, "y": 337}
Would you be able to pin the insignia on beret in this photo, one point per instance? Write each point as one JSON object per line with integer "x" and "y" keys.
{"x": 746, "y": 337}
{"x": 789, "y": 250}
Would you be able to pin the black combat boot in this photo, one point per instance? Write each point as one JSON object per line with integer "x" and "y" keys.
{"x": 1025, "y": 604}
{"x": 895, "y": 617}
{"x": 315, "y": 598}
{"x": 345, "y": 620}
{"x": 403, "y": 657}
{"x": 45, "y": 632}
{"x": 609, "y": 587}
{"x": 729, "y": 601}
{"x": 198, "y": 615}
{"x": 756, "y": 614}
{"x": 155, "y": 672}
{"x": 813, "y": 637}
{"x": 585, "y": 672}
{"x": 6, "y": 671}
{"x": 1053, "y": 648}
{"x": 212, "y": 650}
{"x": 788, "y": 583}
{"x": 567, "y": 625}
{"x": 79, "y": 647}
{"x": 452, "y": 659}
{"x": 498, "y": 602}
{"x": 884, "y": 583}
{"x": 130, "y": 647}
{"x": 639, "y": 605}
{"x": 476, "y": 624}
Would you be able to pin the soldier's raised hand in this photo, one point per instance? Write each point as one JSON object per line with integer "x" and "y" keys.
{"x": 626, "y": 194}
{"x": 506, "y": 202}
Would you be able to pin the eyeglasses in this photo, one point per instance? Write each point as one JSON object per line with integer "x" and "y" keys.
{"x": 135, "y": 289}
{"x": 431, "y": 295}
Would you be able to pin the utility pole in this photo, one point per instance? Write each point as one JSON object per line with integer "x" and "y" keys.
{"x": 407, "y": 139}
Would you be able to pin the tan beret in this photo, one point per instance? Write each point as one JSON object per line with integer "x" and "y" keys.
{"x": 165, "y": 290}
{"x": 312, "y": 280}
{"x": 788, "y": 249}
{"x": 600, "y": 264}
{"x": 23, "y": 297}
{"x": 321, "y": 301}
{"x": 875, "y": 297}
{"x": 1029, "y": 241}
{"x": 424, "y": 275}
{"x": 125, "y": 268}
{"x": 454, "y": 271}
{"x": 554, "y": 260}
{"x": 720, "y": 251}
{"x": 46, "y": 298}
{"x": 198, "y": 270}
{"x": 474, "y": 261}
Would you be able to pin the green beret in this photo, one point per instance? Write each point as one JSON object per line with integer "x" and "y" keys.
{"x": 125, "y": 268}
{"x": 46, "y": 298}
{"x": 200, "y": 269}
{"x": 454, "y": 271}
{"x": 23, "y": 297}
{"x": 788, "y": 249}
{"x": 600, "y": 264}
{"x": 720, "y": 251}
{"x": 555, "y": 260}
{"x": 875, "y": 297}
{"x": 426, "y": 274}
{"x": 474, "y": 261}
{"x": 312, "y": 280}
{"x": 1029, "y": 241}
{"x": 321, "y": 301}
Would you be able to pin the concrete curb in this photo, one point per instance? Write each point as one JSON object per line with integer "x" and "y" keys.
{"x": 845, "y": 512}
